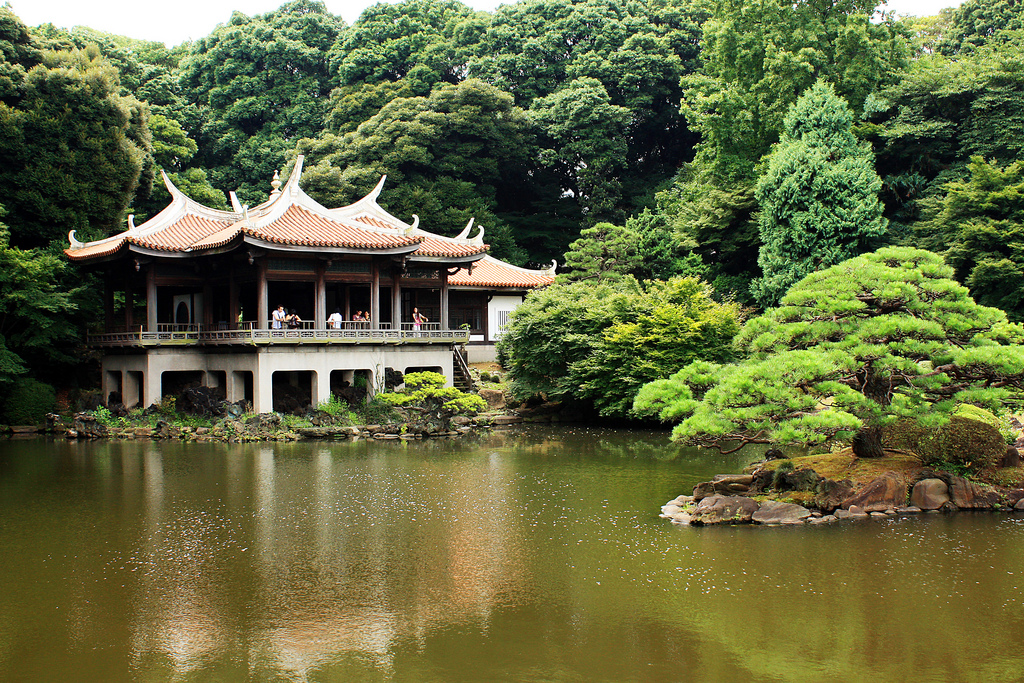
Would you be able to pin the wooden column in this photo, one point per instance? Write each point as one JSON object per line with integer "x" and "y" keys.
{"x": 151, "y": 298}
{"x": 233, "y": 310}
{"x": 396, "y": 300}
{"x": 375, "y": 298}
{"x": 108, "y": 305}
{"x": 348, "y": 302}
{"x": 207, "y": 307}
{"x": 445, "y": 318}
{"x": 129, "y": 307}
{"x": 320, "y": 295}
{"x": 262, "y": 312}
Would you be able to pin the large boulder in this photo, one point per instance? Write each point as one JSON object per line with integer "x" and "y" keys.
{"x": 803, "y": 479}
{"x": 86, "y": 426}
{"x": 775, "y": 512}
{"x": 881, "y": 494}
{"x": 830, "y": 494}
{"x": 968, "y": 495}
{"x": 929, "y": 494}
{"x": 495, "y": 398}
{"x": 718, "y": 509}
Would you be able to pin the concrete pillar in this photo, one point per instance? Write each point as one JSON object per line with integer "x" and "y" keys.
{"x": 262, "y": 304}
{"x": 263, "y": 389}
{"x": 151, "y": 384}
{"x": 111, "y": 382}
{"x": 320, "y": 294}
{"x": 235, "y": 389}
{"x": 151, "y": 298}
{"x": 321, "y": 386}
{"x": 131, "y": 390}
{"x": 445, "y": 316}
{"x": 375, "y": 298}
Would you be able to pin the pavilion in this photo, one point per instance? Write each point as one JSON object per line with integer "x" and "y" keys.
{"x": 189, "y": 294}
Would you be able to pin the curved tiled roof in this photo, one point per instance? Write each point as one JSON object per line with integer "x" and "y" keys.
{"x": 289, "y": 218}
{"x": 442, "y": 246}
{"x": 181, "y": 235}
{"x": 490, "y": 272}
{"x": 300, "y": 227}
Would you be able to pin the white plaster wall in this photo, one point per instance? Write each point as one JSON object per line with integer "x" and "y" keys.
{"x": 499, "y": 307}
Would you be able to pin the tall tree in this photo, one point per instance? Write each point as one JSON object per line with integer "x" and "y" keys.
{"x": 72, "y": 151}
{"x": 757, "y": 58}
{"x": 885, "y": 336}
{"x": 457, "y": 154}
{"x": 260, "y": 85}
{"x": 979, "y": 22}
{"x": 979, "y": 226}
{"x": 819, "y": 197}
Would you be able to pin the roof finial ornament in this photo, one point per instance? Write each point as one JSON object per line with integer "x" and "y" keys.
{"x": 551, "y": 269}
{"x": 131, "y": 221}
{"x": 479, "y": 237}
{"x": 235, "y": 204}
{"x": 375, "y": 192}
{"x": 415, "y": 224}
{"x": 75, "y": 244}
{"x": 465, "y": 230}
{"x": 276, "y": 184}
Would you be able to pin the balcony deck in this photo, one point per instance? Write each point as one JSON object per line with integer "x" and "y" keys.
{"x": 248, "y": 334}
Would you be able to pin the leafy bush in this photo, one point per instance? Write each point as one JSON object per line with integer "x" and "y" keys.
{"x": 963, "y": 445}
{"x": 600, "y": 342}
{"x": 29, "y": 402}
{"x": 426, "y": 391}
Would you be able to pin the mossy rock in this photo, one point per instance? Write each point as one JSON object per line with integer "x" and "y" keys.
{"x": 963, "y": 443}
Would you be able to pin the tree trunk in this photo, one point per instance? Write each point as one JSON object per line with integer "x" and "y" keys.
{"x": 867, "y": 443}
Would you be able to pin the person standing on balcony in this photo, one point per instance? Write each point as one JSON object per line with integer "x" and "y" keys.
{"x": 293, "y": 320}
{"x": 335, "y": 320}
{"x": 418, "y": 319}
{"x": 278, "y": 318}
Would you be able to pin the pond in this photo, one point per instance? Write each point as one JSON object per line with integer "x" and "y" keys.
{"x": 521, "y": 555}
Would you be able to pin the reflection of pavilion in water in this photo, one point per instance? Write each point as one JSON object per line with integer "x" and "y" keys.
{"x": 332, "y": 577}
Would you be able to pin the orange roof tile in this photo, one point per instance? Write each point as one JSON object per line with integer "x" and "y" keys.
{"x": 301, "y": 227}
{"x": 95, "y": 250}
{"x": 182, "y": 235}
{"x": 490, "y": 272}
{"x": 376, "y": 222}
{"x": 433, "y": 246}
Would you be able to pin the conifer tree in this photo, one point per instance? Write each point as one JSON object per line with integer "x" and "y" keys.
{"x": 819, "y": 197}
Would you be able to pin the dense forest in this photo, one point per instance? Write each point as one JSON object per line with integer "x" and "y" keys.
{"x": 747, "y": 144}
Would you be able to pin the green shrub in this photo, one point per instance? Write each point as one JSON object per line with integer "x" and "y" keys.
{"x": 29, "y": 402}
{"x": 963, "y": 445}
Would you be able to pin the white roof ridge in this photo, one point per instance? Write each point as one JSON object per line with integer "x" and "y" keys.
{"x": 368, "y": 205}
{"x": 532, "y": 271}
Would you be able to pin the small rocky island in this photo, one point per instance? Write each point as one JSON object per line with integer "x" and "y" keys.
{"x": 777, "y": 492}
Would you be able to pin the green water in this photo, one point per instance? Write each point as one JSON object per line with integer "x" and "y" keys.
{"x": 533, "y": 555}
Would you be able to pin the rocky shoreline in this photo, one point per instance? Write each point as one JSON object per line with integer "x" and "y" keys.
{"x": 258, "y": 427}
{"x": 772, "y": 498}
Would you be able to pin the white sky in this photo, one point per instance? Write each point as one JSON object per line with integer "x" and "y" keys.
{"x": 175, "y": 21}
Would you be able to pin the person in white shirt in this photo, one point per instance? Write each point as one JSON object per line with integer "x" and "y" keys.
{"x": 278, "y": 318}
{"x": 335, "y": 319}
